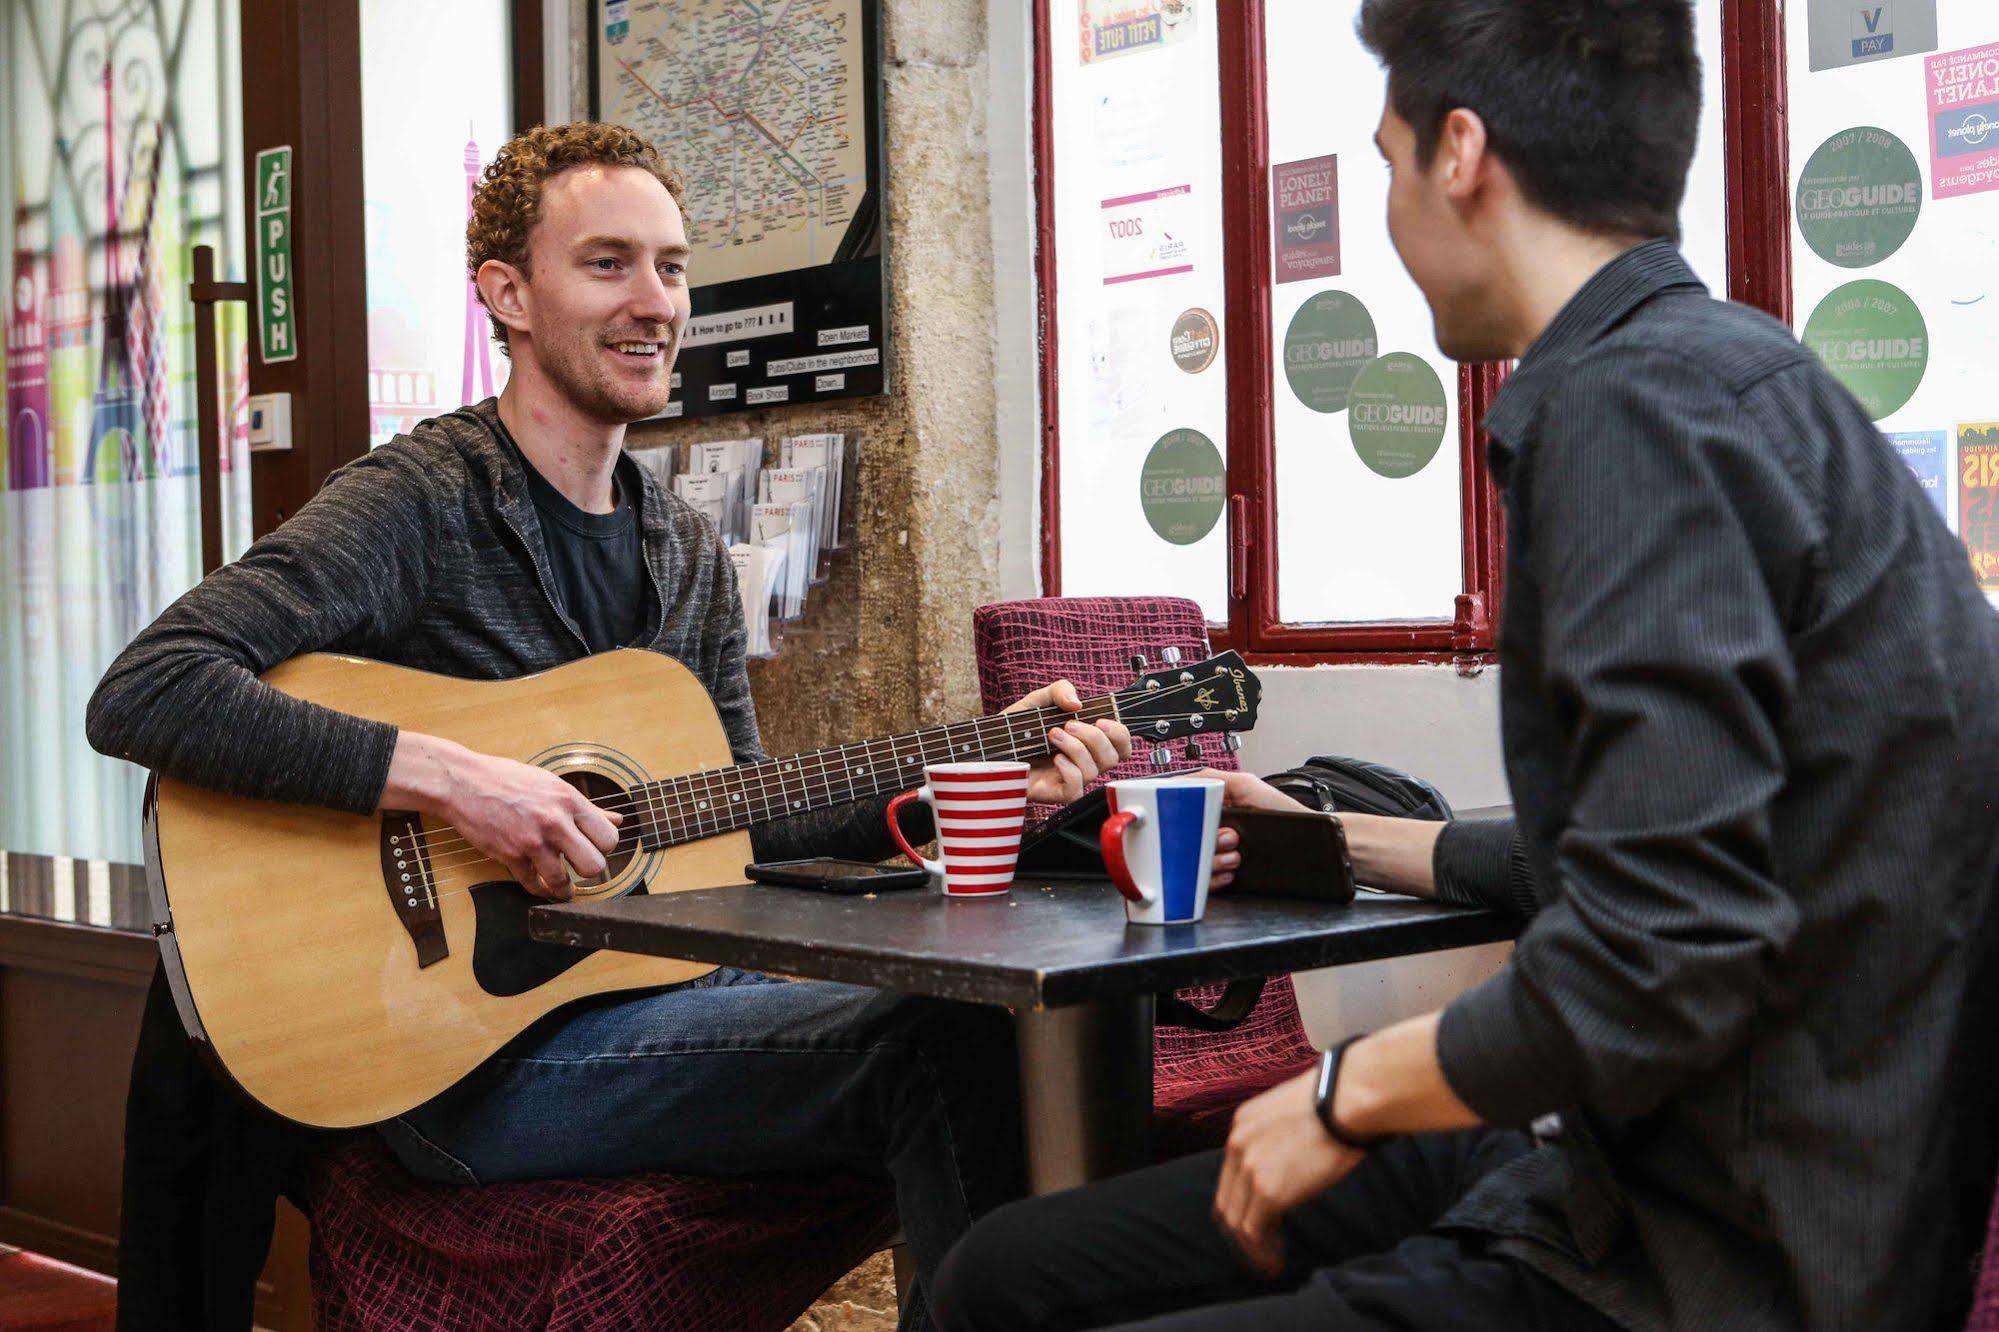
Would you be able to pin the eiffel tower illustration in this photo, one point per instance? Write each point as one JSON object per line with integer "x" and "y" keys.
{"x": 478, "y": 338}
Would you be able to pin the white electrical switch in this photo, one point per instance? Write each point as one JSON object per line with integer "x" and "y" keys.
{"x": 270, "y": 422}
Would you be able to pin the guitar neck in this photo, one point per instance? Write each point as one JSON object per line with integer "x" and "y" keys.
{"x": 703, "y": 804}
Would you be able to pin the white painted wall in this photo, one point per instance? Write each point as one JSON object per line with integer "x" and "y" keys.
{"x": 1426, "y": 719}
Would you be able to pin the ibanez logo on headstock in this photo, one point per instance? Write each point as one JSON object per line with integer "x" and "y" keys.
{"x": 1219, "y": 695}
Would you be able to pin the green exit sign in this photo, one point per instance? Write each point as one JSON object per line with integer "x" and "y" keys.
{"x": 277, "y": 305}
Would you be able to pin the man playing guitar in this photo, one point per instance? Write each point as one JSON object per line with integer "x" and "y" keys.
{"x": 507, "y": 538}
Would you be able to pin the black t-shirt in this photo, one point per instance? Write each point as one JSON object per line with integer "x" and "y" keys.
{"x": 598, "y": 559}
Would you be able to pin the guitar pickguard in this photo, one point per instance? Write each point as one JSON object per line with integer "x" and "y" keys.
{"x": 506, "y": 960}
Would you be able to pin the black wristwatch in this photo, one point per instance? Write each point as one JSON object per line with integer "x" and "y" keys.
{"x": 1329, "y": 1081}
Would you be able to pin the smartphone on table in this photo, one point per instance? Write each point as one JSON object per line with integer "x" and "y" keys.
{"x": 829, "y": 874}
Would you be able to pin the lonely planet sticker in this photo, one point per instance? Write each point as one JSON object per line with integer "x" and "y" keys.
{"x": 1183, "y": 486}
{"x": 1859, "y": 196}
{"x": 1873, "y": 339}
{"x": 1330, "y": 338}
{"x": 1195, "y": 340}
{"x": 1398, "y": 415}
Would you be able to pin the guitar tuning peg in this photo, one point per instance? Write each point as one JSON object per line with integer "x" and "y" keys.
{"x": 1232, "y": 742}
{"x": 1138, "y": 663}
{"x": 1192, "y": 751}
{"x": 1170, "y": 655}
{"x": 1162, "y": 758}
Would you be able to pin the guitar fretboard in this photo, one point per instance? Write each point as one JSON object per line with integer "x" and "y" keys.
{"x": 702, "y": 804}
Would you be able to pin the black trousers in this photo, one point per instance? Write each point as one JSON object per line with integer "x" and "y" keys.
{"x": 1144, "y": 1251}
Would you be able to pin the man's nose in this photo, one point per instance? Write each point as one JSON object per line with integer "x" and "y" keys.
{"x": 652, "y": 299}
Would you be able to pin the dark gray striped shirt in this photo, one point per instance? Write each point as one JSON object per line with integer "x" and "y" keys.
{"x": 1750, "y": 701}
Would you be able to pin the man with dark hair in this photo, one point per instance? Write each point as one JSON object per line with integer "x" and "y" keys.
{"x": 1750, "y": 705}
{"x": 498, "y": 540}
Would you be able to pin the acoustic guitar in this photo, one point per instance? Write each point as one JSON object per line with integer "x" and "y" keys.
{"x": 344, "y": 968}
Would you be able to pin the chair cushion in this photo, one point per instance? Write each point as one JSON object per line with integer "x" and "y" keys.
{"x": 393, "y": 1252}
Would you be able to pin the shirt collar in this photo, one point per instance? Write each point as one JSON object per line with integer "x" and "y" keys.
{"x": 1618, "y": 288}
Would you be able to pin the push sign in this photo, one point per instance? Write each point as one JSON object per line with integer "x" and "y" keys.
{"x": 277, "y": 307}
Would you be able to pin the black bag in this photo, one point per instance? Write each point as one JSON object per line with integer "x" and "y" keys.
{"x": 1332, "y": 783}
{"x": 1066, "y": 846}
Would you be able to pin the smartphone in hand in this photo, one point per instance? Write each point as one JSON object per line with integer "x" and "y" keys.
{"x": 1289, "y": 853}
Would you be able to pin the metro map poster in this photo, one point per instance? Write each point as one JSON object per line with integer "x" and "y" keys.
{"x": 772, "y": 116}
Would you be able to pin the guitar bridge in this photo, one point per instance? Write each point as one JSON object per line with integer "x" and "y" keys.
{"x": 412, "y": 887}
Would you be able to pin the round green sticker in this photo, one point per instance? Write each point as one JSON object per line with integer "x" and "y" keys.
{"x": 1330, "y": 338}
{"x": 1182, "y": 486}
{"x": 1873, "y": 339}
{"x": 1398, "y": 416}
{"x": 1859, "y": 196}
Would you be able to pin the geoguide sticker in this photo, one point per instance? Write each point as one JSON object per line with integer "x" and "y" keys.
{"x": 1872, "y": 337}
{"x": 1859, "y": 197}
{"x": 1182, "y": 486}
{"x": 1397, "y": 415}
{"x": 1330, "y": 338}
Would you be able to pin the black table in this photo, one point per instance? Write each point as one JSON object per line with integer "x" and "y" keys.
{"x": 1059, "y": 953}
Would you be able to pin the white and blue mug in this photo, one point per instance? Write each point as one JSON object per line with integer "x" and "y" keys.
{"x": 1159, "y": 844}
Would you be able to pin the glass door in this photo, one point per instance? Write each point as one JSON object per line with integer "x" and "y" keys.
{"x": 120, "y": 150}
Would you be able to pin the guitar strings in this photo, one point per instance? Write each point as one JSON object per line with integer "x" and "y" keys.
{"x": 458, "y": 861}
{"x": 809, "y": 783}
{"x": 448, "y": 840}
{"x": 771, "y": 774}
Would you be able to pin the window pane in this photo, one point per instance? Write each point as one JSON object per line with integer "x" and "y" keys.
{"x": 1141, "y": 381}
{"x": 1895, "y": 186}
{"x": 120, "y": 140}
{"x": 1368, "y": 464}
{"x": 436, "y": 102}
{"x": 1704, "y": 216}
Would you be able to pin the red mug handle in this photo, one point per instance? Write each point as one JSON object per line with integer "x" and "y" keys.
{"x": 895, "y": 827}
{"x": 1110, "y": 837}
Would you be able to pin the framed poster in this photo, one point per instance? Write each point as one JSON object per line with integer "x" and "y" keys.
{"x": 772, "y": 116}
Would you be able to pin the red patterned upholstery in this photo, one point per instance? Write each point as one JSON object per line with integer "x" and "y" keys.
{"x": 1198, "y": 1077}
{"x": 1985, "y": 1299}
{"x": 649, "y": 1251}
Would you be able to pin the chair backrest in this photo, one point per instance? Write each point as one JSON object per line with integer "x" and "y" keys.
{"x": 1022, "y": 645}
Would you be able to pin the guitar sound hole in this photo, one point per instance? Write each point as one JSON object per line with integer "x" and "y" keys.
{"x": 604, "y": 791}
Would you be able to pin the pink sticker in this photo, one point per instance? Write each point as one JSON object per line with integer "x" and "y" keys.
{"x": 1963, "y": 88}
{"x": 1305, "y": 213}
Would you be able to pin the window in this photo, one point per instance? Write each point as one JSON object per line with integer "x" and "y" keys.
{"x": 1243, "y": 397}
{"x": 1894, "y": 151}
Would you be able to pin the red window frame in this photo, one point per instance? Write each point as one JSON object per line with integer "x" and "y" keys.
{"x": 1759, "y": 264}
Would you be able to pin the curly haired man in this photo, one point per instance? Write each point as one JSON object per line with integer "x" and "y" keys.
{"x": 501, "y": 539}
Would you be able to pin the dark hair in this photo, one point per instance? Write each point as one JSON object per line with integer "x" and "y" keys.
{"x": 1593, "y": 104}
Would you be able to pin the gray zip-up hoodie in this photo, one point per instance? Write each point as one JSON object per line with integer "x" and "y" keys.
{"x": 426, "y": 553}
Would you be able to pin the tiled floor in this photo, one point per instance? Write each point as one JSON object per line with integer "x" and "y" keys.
{"x": 47, "y": 1296}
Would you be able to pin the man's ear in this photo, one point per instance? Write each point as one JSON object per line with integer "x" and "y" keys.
{"x": 1463, "y": 155}
{"x": 504, "y": 289}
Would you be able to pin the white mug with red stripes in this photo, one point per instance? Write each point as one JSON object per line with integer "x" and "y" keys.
{"x": 979, "y": 809}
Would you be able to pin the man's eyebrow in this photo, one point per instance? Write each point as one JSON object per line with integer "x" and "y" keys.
{"x": 623, "y": 245}
{"x": 1377, "y": 144}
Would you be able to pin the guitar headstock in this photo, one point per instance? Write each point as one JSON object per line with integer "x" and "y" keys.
{"x": 1218, "y": 696}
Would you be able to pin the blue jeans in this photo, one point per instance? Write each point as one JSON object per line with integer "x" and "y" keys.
{"x": 737, "y": 1074}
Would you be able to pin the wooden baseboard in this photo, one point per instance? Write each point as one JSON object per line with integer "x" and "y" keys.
{"x": 77, "y": 991}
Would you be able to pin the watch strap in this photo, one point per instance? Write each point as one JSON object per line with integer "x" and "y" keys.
{"x": 1328, "y": 1087}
